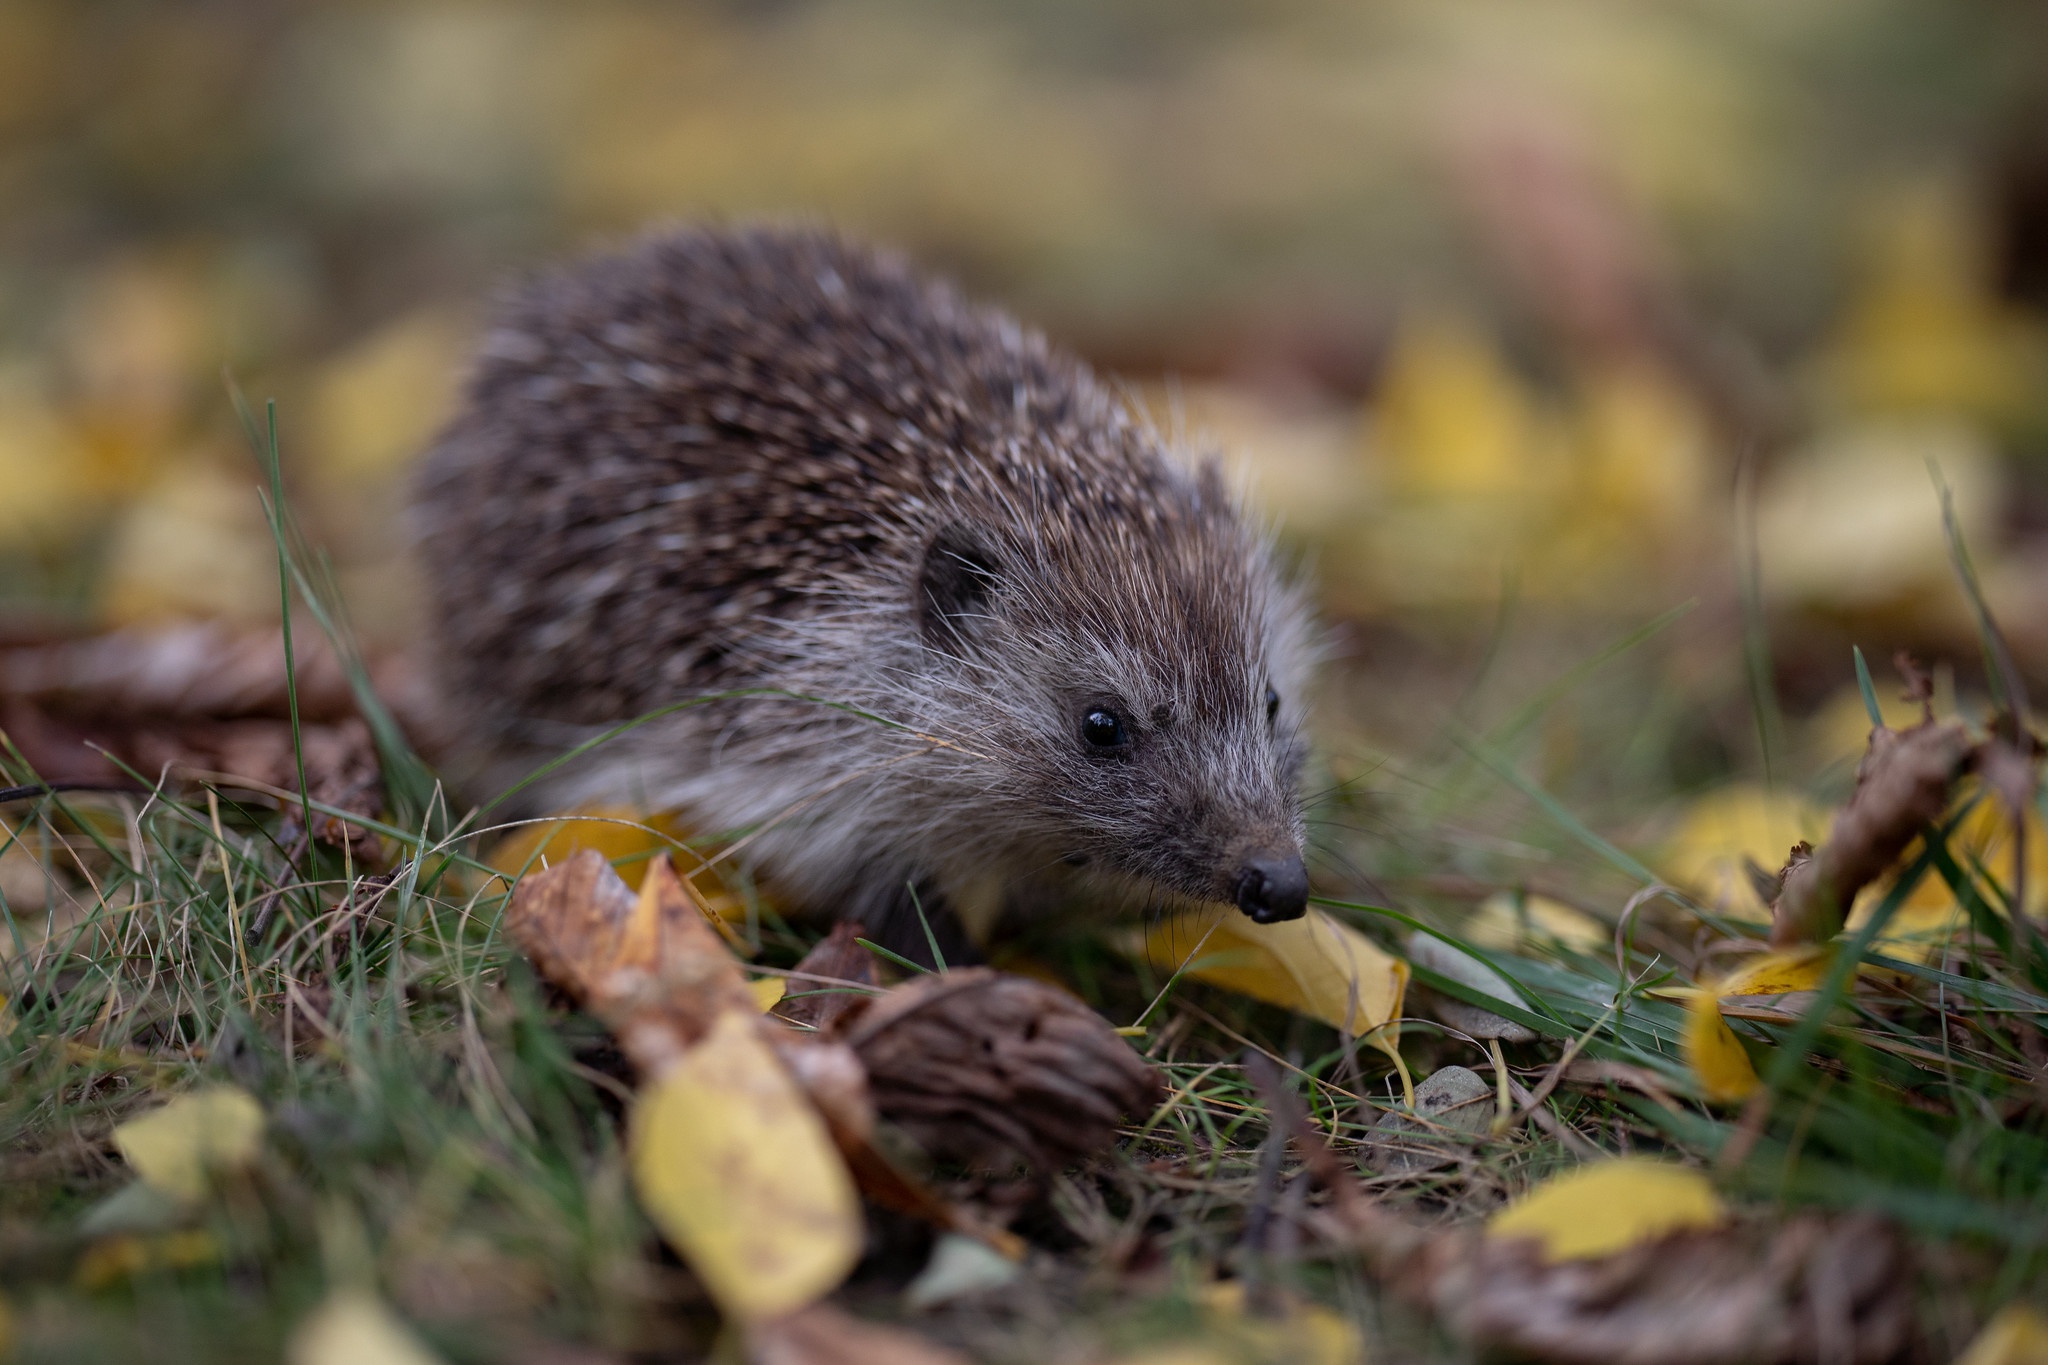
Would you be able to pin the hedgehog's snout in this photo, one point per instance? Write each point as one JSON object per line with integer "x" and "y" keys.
{"x": 1273, "y": 887}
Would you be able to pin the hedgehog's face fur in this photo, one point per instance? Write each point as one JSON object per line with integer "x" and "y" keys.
{"x": 1133, "y": 674}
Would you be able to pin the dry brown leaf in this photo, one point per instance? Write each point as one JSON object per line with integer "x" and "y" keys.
{"x": 836, "y": 957}
{"x": 203, "y": 702}
{"x": 202, "y": 669}
{"x": 1902, "y": 785}
{"x": 1817, "y": 1288}
{"x": 651, "y": 966}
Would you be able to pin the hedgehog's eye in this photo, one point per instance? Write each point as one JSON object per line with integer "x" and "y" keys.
{"x": 1102, "y": 728}
{"x": 1272, "y": 706}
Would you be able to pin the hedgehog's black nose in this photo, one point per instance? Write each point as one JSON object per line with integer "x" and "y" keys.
{"x": 1272, "y": 889}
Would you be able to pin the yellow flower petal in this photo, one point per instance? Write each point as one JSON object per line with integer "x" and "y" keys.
{"x": 768, "y": 991}
{"x": 735, "y": 1167}
{"x": 1609, "y": 1206}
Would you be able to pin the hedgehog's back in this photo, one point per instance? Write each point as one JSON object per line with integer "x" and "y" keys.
{"x": 663, "y": 450}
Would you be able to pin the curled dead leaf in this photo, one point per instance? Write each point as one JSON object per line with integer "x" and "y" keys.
{"x": 1815, "y": 1289}
{"x": 813, "y": 998}
{"x": 1902, "y": 785}
{"x": 649, "y": 965}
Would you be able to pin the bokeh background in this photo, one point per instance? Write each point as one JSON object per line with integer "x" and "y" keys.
{"x": 1527, "y": 320}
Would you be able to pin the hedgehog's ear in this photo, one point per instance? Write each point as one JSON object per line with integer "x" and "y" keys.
{"x": 954, "y": 585}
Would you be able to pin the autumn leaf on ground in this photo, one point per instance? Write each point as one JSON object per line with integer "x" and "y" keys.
{"x": 1713, "y": 1053}
{"x": 1314, "y": 965}
{"x": 354, "y": 1327}
{"x": 1724, "y": 833}
{"x": 1786, "y": 972}
{"x": 650, "y": 964}
{"x": 1287, "y": 1330}
{"x": 1508, "y": 921}
{"x": 737, "y": 1170}
{"x": 2018, "y": 1335}
{"x": 180, "y": 1147}
{"x": 113, "y": 1259}
{"x": 1609, "y": 1206}
{"x": 730, "y": 1157}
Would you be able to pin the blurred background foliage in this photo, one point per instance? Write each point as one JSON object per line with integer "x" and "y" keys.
{"x": 1527, "y": 319}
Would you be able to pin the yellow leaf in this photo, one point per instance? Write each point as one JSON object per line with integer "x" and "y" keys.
{"x": 768, "y": 991}
{"x": 1780, "y": 973}
{"x": 1714, "y": 1053}
{"x": 1179, "y": 1353}
{"x": 114, "y": 1259}
{"x": 623, "y": 834}
{"x": 1725, "y": 828}
{"x": 1609, "y": 1206}
{"x": 735, "y": 1167}
{"x": 1930, "y": 914}
{"x": 354, "y": 1327}
{"x": 44, "y": 467}
{"x": 1453, "y": 419}
{"x": 1314, "y": 965}
{"x": 1926, "y": 331}
{"x": 618, "y": 832}
{"x": 192, "y": 544}
{"x": 377, "y": 405}
{"x": 2017, "y": 1335}
{"x": 181, "y": 1146}
{"x": 1643, "y": 451}
{"x": 1300, "y": 1333}
{"x": 1840, "y": 731}
{"x": 1852, "y": 521}
{"x": 1507, "y": 922}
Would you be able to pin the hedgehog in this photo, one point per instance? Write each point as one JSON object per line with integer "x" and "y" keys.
{"x": 909, "y": 600}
